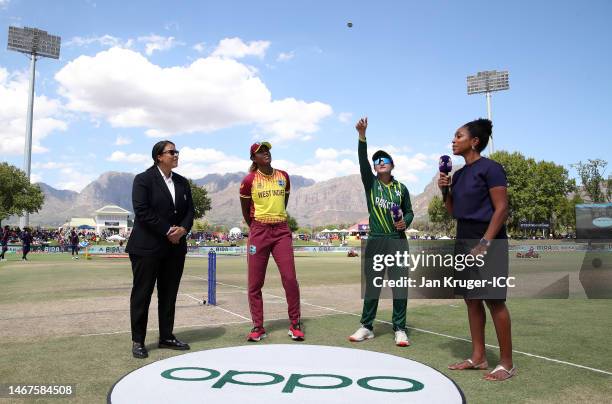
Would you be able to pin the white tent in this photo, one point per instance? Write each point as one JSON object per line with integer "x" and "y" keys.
{"x": 344, "y": 231}
{"x": 444, "y": 238}
{"x": 412, "y": 231}
{"x": 235, "y": 232}
{"x": 115, "y": 237}
{"x": 326, "y": 231}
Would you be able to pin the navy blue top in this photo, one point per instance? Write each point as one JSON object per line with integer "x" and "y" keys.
{"x": 470, "y": 189}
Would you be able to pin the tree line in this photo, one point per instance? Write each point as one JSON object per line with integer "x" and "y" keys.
{"x": 540, "y": 192}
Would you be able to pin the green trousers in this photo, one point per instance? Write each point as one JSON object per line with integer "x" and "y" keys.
{"x": 371, "y": 296}
{"x": 370, "y": 306}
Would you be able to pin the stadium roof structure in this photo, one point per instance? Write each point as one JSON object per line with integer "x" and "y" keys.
{"x": 80, "y": 221}
{"x": 112, "y": 210}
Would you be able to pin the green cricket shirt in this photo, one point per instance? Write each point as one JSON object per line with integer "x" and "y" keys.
{"x": 381, "y": 198}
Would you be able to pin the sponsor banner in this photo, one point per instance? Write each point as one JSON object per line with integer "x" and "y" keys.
{"x": 281, "y": 373}
{"x": 549, "y": 247}
{"x": 203, "y": 251}
{"x": 329, "y": 249}
{"x": 534, "y": 225}
{"x": 67, "y": 249}
{"x": 582, "y": 246}
{"x": 192, "y": 251}
{"x": 106, "y": 250}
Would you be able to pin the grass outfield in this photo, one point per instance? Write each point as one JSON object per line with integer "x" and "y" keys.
{"x": 65, "y": 321}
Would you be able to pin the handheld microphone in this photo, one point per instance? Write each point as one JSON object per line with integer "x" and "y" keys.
{"x": 445, "y": 166}
{"x": 397, "y": 213}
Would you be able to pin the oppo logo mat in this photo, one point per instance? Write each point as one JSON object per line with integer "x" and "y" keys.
{"x": 283, "y": 374}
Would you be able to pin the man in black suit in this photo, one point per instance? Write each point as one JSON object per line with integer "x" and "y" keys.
{"x": 163, "y": 215}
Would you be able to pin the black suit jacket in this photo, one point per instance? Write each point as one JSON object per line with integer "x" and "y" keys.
{"x": 155, "y": 213}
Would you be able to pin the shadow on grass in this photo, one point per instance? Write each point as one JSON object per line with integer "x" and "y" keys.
{"x": 200, "y": 334}
{"x": 462, "y": 350}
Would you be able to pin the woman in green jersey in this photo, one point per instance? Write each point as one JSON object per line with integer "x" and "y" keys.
{"x": 390, "y": 213}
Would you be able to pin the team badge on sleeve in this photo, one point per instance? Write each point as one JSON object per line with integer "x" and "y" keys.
{"x": 281, "y": 183}
{"x": 252, "y": 249}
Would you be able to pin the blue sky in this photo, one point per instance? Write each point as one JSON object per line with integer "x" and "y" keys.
{"x": 215, "y": 76}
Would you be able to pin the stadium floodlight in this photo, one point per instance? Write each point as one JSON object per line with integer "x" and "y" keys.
{"x": 487, "y": 82}
{"x": 35, "y": 43}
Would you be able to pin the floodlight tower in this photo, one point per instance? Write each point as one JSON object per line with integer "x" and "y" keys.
{"x": 487, "y": 82}
{"x": 35, "y": 43}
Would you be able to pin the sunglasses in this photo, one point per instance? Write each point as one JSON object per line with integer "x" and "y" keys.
{"x": 171, "y": 152}
{"x": 382, "y": 160}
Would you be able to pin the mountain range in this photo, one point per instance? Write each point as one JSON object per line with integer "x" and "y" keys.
{"x": 338, "y": 200}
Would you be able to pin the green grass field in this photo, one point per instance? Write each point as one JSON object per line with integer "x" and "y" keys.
{"x": 65, "y": 321}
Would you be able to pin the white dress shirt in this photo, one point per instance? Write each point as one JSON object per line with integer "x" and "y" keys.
{"x": 169, "y": 184}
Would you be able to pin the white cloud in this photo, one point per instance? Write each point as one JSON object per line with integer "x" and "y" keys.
{"x": 74, "y": 179}
{"x": 51, "y": 165}
{"x": 104, "y": 40}
{"x": 199, "y": 47}
{"x": 158, "y": 43}
{"x": 4, "y": 3}
{"x": 172, "y": 25}
{"x": 13, "y": 110}
{"x": 345, "y": 117}
{"x": 331, "y": 153}
{"x": 320, "y": 170}
{"x": 198, "y": 162}
{"x": 285, "y": 56}
{"x": 122, "y": 140}
{"x": 235, "y": 48}
{"x": 330, "y": 164}
{"x": 326, "y": 164}
{"x": 132, "y": 158}
{"x": 125, "y": 88}
{"x": 35, "y": 177}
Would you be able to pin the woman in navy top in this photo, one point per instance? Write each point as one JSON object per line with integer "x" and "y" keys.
{"x": 479, "y": 201}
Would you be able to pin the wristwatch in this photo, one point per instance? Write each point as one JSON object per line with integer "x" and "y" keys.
{"x": 484, "y": 242}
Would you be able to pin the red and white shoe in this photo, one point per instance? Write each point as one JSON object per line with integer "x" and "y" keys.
{"x": 295, "y": 332}
{"x": 361, "y": 335}
{"x": 257, "y": 334}
{"x": 401, "y": 339}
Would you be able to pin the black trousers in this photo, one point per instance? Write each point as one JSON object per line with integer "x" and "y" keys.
{"x": 147, "y": 270}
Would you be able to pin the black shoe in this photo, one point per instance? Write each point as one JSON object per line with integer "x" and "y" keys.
{"x": 173, "y": 344}
{"x": 139, "y": 351}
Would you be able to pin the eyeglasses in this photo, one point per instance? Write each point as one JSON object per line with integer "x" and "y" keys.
{"x": 382, "y": 160}
{"x": 171, "y": 152}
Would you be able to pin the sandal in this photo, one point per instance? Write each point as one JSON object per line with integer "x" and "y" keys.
{"x": 508, "y": 373}
{"x": 472, "y": 366}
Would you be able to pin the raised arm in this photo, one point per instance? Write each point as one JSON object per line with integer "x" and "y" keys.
{"x": 362, "y": 151}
